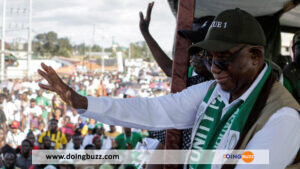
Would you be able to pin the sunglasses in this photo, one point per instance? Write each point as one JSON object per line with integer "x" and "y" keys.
{"x": 222, "y": 65}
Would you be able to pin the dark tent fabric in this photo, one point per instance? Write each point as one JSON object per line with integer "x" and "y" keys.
{"x": 288, "y": 21}
{"x": 180, "y": 67}
{"x": 271, "y": 27}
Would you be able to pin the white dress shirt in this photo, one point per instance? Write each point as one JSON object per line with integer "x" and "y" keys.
{"x": 88, "y": 139}
{"x": 15, "y": 139}
{"x": 281, "y": 134}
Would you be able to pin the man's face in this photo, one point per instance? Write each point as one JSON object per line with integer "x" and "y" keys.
{"x": 40, "y": 93}
{"x": 98, "y": 143}
{"x": 240, "y": 70}
{"x": 77, "y": 141}
{"x": 14, "y": 130}
{"x": 92, "y": 121}
{"x": 26, "y": 148}
{"x": 31, "y": 138}
{"x": 100, "y": 131}
{"x": 41, "y": 126}
{"x": 32, "y": 104}
{"x": 47, "y": 142}
{"x": 90, "y": 131}
{"x": 112, "y": 128}
{"x": 297, "y": 54}
{"x": 79, "y": 120}
{"x": 127, "y": 131}
{"x": 22, "y": 96}
{"x": 57, "y": 113}
{"x": 53, "y": 126}
{"x": 32, "y": 126}
{"x": 9, "y": 98}
{"x": 9, "y": 160}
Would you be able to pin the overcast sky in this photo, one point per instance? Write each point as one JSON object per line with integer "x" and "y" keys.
{"x": 75, "y": 19}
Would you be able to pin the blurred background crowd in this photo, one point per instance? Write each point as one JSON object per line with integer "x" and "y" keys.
{"x": 33, "y": 119}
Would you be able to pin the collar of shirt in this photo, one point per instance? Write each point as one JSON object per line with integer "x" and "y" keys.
{"x": 225, "y": 96}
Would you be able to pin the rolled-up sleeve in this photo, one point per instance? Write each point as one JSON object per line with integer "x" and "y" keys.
{"x": 171, "y": 111}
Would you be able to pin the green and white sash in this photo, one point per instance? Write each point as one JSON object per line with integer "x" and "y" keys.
{"x": 212, "y": 127}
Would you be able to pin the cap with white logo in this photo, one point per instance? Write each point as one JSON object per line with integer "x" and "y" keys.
{"x": 229, "y": 29}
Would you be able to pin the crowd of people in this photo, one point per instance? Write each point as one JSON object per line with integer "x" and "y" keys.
{"x": 236, "y": 101}
{"x": 33, "y": 119}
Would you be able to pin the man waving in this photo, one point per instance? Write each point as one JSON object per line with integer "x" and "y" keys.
{"x": 243, "y": 102}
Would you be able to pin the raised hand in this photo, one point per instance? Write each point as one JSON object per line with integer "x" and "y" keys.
{"x": 55, "y": 84}
{"x": 129, "y": 146}
{"x": 114, "y": 144}
{"x": 144, "y": 22}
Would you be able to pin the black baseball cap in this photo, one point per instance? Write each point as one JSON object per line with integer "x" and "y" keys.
{"x": 230, "y": 28}
{"x": 199, "y": 29}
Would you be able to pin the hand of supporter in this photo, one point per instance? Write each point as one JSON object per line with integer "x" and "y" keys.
{"x": 114, "y": 144}
{"x": 22, "y": 128}
{"x": 144, "y": 22}
{"x": 129, "y": 146}
{"x": 55, "y": 84}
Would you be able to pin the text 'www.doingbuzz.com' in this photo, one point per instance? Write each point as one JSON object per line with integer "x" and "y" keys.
{"x": 82, "y": 157}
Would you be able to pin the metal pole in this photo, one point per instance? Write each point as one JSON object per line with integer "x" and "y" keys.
{"x": 129, "y": 51}
{"x": 29, "y": 38}
{"x": 102, "y": 59}
{"x": 94, "y": 30}
{"x": 3, "y": 41}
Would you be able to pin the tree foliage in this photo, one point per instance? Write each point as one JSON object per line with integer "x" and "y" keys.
{"x": 46, "y": 44}
{"x": 49, "y": 45}
{"x": 140, "y": 50}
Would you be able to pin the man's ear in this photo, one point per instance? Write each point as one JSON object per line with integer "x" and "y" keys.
{"x": 257, "y": 54}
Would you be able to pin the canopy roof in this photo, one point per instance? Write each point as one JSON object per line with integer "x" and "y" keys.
{"x": 290, "y": 21}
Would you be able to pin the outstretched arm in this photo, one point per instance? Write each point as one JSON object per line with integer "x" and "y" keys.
{"x": 55, "y": 84}
{"x": 170, "y": 111}
{"x": 159, "y": 55}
